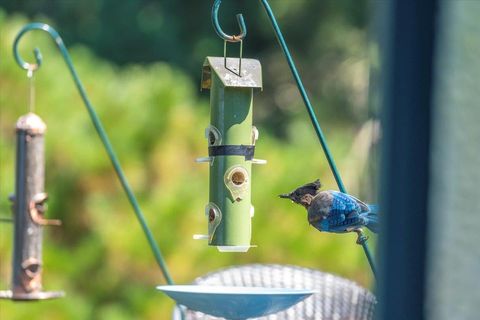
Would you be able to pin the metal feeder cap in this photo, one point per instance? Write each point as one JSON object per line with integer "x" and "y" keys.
{"x": 251, "y": 73}
{"x": 31, "y": 123}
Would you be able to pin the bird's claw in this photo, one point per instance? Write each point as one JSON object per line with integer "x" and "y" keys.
{"x": 361, "y": 237}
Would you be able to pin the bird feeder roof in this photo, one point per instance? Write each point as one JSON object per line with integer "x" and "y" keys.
{"x": 251, "y": 73}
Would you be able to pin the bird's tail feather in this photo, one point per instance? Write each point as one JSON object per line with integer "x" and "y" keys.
{"x": 373, "y": 208}
{"x": 371, "y": 218}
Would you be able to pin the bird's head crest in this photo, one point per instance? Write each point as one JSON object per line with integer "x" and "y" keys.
{"x": 297, "y": 194}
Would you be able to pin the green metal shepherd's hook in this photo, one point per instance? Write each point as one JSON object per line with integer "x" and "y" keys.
{"x": 362, "y": 238}
{"x": 98, "y": 127}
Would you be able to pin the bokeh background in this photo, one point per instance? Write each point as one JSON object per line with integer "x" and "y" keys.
{"x": 140, "y": 62}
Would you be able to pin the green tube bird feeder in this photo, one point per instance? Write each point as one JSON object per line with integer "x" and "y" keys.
{"x": 231, "y": 139}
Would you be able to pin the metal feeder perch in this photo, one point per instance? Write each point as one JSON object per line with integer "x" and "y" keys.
{"x": 29, "y": 212}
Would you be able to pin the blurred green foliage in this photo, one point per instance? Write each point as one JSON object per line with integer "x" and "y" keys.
{"x": 327, "y": 39}
{"x": 155, "y": 118}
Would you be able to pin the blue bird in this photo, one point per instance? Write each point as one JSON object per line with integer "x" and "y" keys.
{"x": 334, "y": 211}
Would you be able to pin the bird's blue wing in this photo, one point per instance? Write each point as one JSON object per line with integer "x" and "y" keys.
{"x": 325, "y": 222}
{"x": 367, "y": 215}
{"x": 343, "y": 203}
{"x": 347, "y": 225}
{"x": 332, "y": 221}
{"x": 343, "y": 213}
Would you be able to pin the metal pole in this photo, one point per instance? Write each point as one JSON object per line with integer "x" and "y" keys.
{"x": 362, "y": 239}
{"x": 408, "y": 108}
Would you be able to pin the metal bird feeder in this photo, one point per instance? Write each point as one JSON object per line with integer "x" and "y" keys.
{"x": 231, "y": 139}
{"x": 29, "y": 212}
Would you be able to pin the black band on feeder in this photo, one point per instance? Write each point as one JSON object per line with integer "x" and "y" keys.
{"x": 232, "y": 150}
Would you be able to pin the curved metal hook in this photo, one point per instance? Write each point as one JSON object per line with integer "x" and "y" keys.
{"x": 36, "y": 52}
{"x": 218, "y": 29}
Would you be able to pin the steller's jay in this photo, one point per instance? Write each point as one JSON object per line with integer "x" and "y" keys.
{"x": 334, "y": 211}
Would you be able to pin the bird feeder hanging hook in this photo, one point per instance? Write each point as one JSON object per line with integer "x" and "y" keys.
{"x": 218, "y": 29}
{"x": 228, "y": 38}
{"x": 32, "y": 67}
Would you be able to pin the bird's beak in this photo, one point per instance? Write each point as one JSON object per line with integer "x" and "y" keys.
{"x": 285, "y": 196}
